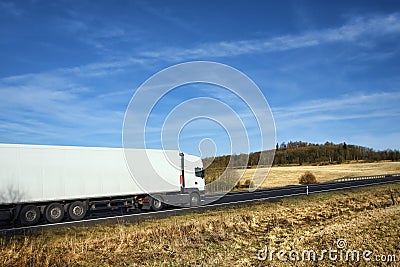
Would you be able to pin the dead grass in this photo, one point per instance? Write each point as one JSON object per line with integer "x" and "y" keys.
{"x": 289, "y": 175}
{"x": 367, "y": 218}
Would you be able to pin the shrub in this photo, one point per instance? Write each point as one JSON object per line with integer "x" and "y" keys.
{"x": 247, "y": 183}
{"x": 308, "y": 178}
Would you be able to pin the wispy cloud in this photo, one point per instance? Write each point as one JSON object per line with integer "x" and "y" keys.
{"x": 166, "y": 15}
{"x": 367, "y": 119}
{"x": 10, "y": 8}
{"x": 355, "y": 30}
{"x": 347, "y": 107}
{"x": 46, "y": 109}
{"x": 95, "y": 69}
{"x": 104, "y": 36}
{"x": 43, "y": 105}
{"x": 104, "y": 68}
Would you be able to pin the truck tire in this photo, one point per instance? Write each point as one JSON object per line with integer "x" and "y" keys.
{"x": 77, "y": 210}
{"x": 29, "y": 215}
{"x": 54, "y": 213}
{"x": 156, "y": 204}
{"x": 194, "y": 199}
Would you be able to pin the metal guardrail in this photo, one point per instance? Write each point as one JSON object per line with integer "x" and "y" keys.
{"x": 358, "y": 178}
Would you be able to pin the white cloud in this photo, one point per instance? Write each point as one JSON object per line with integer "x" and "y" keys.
{"x": 354, "y": 106}
{"x": 48, "y": 108}
{"x": 364, "y": 119}
{"x": 50, "y": 103}
{"x": 105, "y": 68}
{"x": 359, "y": 28}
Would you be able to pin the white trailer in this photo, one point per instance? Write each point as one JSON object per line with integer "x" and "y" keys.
{"x": 58, "y": 182}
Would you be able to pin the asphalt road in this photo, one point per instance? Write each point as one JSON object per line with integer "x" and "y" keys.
{"x": 297, "y": 190}
{"x": 227, "y": 200}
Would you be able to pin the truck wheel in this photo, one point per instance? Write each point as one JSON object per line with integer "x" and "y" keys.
{"x": 54, "y": 213}
{"x": 156, "y": 204}
{"x": 77, "y": 210}
{"x": 194, "y": 199}
{"x": 29, "y": 215}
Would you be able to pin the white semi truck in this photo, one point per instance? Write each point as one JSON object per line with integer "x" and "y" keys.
{"x": 53, "y": 183}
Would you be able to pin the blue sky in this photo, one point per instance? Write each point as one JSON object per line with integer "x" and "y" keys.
{"x": 329, "y": 69}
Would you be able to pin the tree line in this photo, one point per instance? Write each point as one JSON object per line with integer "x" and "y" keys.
{"x": 299, "y": 153}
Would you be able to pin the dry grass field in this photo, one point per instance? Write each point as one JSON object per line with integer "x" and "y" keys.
{"x": 366, "y": 218}
{"x": 282, "y": 176}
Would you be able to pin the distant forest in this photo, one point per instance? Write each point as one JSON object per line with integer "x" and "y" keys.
{"x": 302, "y": 153}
